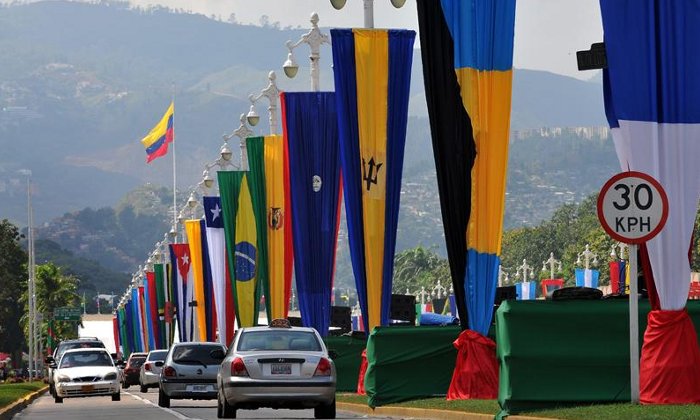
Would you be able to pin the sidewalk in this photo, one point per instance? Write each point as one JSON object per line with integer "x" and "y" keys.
{"x": 423, "y": 413}
{"x": 7, "y": 412}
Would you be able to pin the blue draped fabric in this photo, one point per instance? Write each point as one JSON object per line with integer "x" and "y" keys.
{"x": 399, "y": 61}
{"x": 208, "y": 284}
{"x": 128, "y": 329}
{"x": 150, "y": 330}
{"x": 311, "y": 131}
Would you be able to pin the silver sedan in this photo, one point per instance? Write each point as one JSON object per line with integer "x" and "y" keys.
{"x": 278, "y": 367}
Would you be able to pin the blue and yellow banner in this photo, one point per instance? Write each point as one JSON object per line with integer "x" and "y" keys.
{"x": 194, "y": 239}
{"x": 372, "y": 70}
{"x": 467, "y": 49}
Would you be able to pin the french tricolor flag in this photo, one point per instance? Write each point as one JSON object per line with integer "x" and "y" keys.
{"x": 652, "y": 101}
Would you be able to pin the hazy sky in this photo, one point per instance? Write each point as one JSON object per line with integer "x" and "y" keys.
{"x": 547, "y": 32}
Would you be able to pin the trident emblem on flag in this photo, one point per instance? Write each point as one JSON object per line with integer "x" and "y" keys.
{"x": 370, "y": 172}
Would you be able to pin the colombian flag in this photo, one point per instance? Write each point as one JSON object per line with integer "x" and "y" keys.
{"x": 157, "y": 140}
{"x": 279, "y": 227}
{"x": 467, "y": 50}
{"x": 372, "y": 70}
{"x": 651, "y": 89}
{"x": 240, "y": 226}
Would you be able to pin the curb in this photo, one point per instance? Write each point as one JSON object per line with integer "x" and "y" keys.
{"x": 15, "y": 407}
{"x": 423, "y": 413}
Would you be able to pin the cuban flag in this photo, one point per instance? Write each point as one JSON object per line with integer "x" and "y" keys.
{"x": 182, "y": 276}
{"x": 585, "y": 277}
{"x": 526, "y": 290}
{"x": 651, "y": 90}
{"x": 216, "y": 242}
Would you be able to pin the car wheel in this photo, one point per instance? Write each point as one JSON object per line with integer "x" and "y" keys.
{"x": 144, "y": 389}
{"x": 224, "y": 410}
{"x": 325, "y": 411}
{"x": 163, "y": 400}
{"x": 58, "y": 400}
{"x": 116, "y": 397}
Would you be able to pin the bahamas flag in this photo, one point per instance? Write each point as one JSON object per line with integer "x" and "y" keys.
{"x": 194, "y": 239}
{"x": 372, "y": 70}
{"x": 651, "y": 89}
{"x": 157, "y": 140}
{"x": 467, "y": 48}
{"x": 585, "y": 277}
{"x": 279, "y": 226}
{"x": 241, "y": 228}
{"x": 311, "y": 129}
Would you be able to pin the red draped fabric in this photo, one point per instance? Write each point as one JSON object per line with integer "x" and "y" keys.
{"x": 476, "y": 369}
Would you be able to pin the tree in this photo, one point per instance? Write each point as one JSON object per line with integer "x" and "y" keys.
{"x": 53, "y": 290}
{"x": 419, "y": 267}
{"x": 13, "y": 273}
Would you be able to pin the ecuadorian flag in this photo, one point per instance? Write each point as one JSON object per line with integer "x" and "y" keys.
{"x": 467, "y": 48}
{"x": 372, "y": 70}
{"x": 157, "y": 140}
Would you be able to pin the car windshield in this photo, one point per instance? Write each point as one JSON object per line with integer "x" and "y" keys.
{"x": 135, "y": 362}
{"x": 78, "y": 345}
{"x": 157, "y": 355}
{"x": 195, "y": 354}
{"x": 86, "y": 358}
{"x": 279, "y": 340}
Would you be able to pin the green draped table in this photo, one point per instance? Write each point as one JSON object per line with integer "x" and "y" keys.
{"x": 566, "y": 352}
{"x": 348, "y": 358}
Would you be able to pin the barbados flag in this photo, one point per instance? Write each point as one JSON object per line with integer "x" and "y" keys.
{"x": 372, "y": 70}
{"x": 157, "y": 140}
{"x": 467, "y": 49}
{"x": 651, "y": 90}
{"x": 240, "y": 227}
{"x": 278, "y": 224}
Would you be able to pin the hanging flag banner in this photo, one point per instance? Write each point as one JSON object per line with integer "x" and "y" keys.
{"x": 585, "y": 277}
{"x": 161, "y": 294}
{"x": 372, "y": 70}
{"x": 216, "y": 243}
{"x": 467, "y": 50}
{"x": 143, "y": 319}
{"x": 649, "y": 89}
{"x": 240, "y": 227}
{"x": 279, "y": 226}
{"x": 151, "y": 300}
{"x": 182, "y": 278}
{"x": 526, "y": 290}
{"x": 194, "y": 239}
{"x": 311, "y": 130}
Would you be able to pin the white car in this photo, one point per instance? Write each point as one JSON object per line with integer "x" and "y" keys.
{"x": 86, "y": 373}
{"x": 149, "y": 375}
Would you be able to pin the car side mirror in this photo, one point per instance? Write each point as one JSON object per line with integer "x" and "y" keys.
{"x": 120, "y": 363}
{"x": 217, "y": 354}
{"x": 159, "y": 363}
{"x": 49, "y": 359}
{"x": 53, "y": 365}
{"x": 332, "y": 354}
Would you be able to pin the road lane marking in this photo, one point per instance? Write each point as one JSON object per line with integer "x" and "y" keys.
{"x": 168, "y": 410}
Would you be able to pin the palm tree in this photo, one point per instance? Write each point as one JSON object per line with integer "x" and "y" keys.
{"x": 53, "y": 290}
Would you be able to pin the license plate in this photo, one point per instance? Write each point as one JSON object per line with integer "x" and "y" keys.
{"x": 281, "y": 369}
{"x": 199, "y": 388}
{"x": 87, "y": 388}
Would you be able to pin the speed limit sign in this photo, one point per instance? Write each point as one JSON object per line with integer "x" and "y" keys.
{"x": 632, "y": 207}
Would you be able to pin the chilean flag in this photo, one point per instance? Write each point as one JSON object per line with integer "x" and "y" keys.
{"x": 652, "y": 92}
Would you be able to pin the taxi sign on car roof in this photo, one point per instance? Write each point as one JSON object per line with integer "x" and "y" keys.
{"x": 280, "y": 323}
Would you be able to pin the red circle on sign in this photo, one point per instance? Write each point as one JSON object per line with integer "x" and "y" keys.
{"x": 615, "y": 180}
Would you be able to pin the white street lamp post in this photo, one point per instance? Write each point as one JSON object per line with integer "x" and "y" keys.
{"x": 439, "y": 290}
{"x": 242, "y": 132}
{"x": 551, "y": 261}
{"x": 503, "y": 276}
{"x": 524, "y": 269}
{"x": 623, "y": 247}
{"x": 314, "y": 38}
{"x": 272, "y": 93}
{"x": 369, "y": 9}
{"x": 587, "y": 255}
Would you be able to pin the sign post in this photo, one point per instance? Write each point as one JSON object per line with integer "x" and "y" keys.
{"x": 633, "y": 208}
{"x": 67, "y": 313}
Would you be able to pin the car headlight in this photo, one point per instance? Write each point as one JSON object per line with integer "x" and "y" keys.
{"x": 63, "y": 378}
{"x": 110, "y": 376}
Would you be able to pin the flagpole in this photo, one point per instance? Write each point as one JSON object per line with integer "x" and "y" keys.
{"x": 174, "y": 170}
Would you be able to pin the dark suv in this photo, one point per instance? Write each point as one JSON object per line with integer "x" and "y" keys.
{"x": 78, "y": 343}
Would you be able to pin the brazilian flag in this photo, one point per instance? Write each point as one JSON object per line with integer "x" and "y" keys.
{"x": 244, "y": 242}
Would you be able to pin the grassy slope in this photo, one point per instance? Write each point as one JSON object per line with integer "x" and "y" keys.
{"x": 10, "y": 393}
